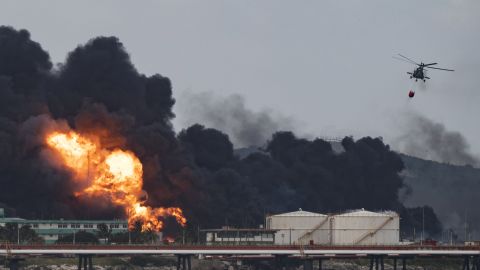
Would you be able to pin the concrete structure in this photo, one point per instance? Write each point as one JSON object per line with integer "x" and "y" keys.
{"x": 236, "y": 236}
{"x": 362, "y": 227}
{"x": 51, "y": 230}
{"x": 279, "y": 254}
{"x": 299, "y": 251}
{"x": 299, "y": 227}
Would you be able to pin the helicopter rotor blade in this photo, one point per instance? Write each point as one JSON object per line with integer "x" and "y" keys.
{"x": 401, "y": 59}
{"x": 441, "y": 68}
{"x": 409, "y": 59}
{"x": 431, "y": 64}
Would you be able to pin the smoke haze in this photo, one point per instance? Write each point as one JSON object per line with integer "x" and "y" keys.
{"x": 230, "y": 114}
{"x": 431, "y": 140}
{"x": 450, "y": 184}
{"x": 451, "y": 190}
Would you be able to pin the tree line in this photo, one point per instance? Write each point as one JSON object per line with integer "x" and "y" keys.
{"x": 24, "y": 234}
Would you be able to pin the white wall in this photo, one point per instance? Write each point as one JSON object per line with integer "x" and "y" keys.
{"x": 349, "y": 230}
{"x": 359, "y": 227}
{"x": 292, "y": 228}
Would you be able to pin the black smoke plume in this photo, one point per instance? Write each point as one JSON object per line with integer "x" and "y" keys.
{"x": 99, "y": 90}
{"x": 244, "y": 126}
{"x": 427, "y": 139}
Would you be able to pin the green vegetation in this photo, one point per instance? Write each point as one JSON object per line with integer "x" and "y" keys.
{"x": 104, "y": 234}
{"x": 24, "y": 234}
{"x": 80, "y": 237}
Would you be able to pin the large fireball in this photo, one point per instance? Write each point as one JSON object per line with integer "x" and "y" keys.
{"x": 115, "y": 175}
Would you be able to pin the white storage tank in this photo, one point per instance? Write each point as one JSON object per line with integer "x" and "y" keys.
{"x": 362, "y": 227}
{"x": 299, "y": 227}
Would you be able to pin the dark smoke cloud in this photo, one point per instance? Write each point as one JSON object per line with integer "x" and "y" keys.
{"x": 98, "y": 90}
{"x": 294, "y": 173}
{"x": 427, "y": 139}
{"x": 231, "y": 115}
{"x": 22, "y": 60}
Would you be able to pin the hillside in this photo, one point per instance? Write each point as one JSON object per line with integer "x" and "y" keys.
{"x": 451, "y": 190}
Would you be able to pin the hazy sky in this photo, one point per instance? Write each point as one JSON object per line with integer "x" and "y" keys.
{"x": 327, "y": 64}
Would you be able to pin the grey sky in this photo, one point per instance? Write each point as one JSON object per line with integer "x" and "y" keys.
{"x": 326, "y": 64}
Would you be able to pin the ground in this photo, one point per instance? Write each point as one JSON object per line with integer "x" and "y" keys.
{"x": 169, "y": 263}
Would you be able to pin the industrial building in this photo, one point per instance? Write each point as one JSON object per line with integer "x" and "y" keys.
{"x": 359, "y": 227}
{"x": 236, "y": 236}
{"x": 52, "y": 230}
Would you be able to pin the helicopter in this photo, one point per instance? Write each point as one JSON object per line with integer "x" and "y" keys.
{"x": 419, "y": 72}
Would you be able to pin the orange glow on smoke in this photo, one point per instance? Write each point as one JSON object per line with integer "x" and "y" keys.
{"x": 115, "y": 175}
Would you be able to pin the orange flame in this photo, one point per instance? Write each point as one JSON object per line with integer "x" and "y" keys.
{"x": 116, "y": 175}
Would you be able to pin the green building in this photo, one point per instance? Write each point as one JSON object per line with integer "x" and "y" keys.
{"x": 51, "y": 230}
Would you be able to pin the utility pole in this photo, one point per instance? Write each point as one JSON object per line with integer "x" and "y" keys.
{"x": 128, "y": 226}
{"x": 88, "y": 177}
{"x": 74, "y": 237}
{"x": 423, "y": 224}
{"x": 451, "y": 237}
{"x": 18, "y": 234}
{"x": 198, "y": 234}
{"x": 466, "y": 226}
{"x": 290, "y": 236}
{"x": 264, "y": 219}
{"x": 183, "y": 237}
{"x": 88, "y": 165}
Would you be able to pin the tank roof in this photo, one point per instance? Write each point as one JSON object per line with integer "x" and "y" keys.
{"x": 364, "y": 213}
{"x": 300, "y": 213}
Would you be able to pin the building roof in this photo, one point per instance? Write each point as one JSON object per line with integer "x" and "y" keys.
{"x": 12, "y": 220}
{"x": 239, "y": 230}
{"x": 60, "y": 221}
{"x": 61, "y": 231}
{"x": 364, "y": 213}
{"x": 300, "y": 213}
